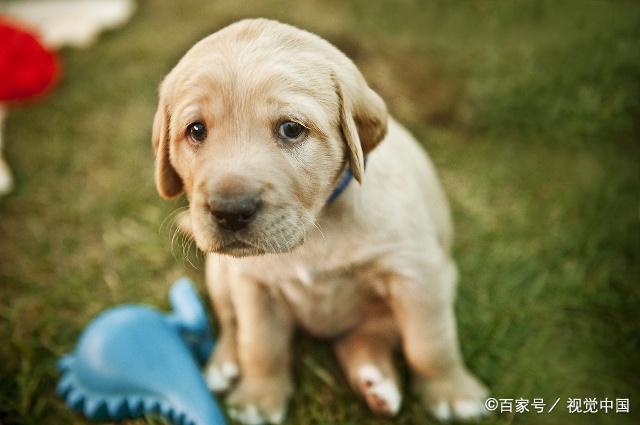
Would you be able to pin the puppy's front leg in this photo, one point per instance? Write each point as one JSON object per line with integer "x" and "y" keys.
{"x": 424, "y": 313}
{"x": 264, "y": 335}
{"x": 222, "y": 369}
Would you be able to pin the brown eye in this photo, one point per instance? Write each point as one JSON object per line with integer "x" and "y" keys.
{"x": 290, "y": 131}
{"x": 197, "y": 132}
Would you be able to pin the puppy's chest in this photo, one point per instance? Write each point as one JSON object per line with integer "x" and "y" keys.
{"x": 328, "y": 302}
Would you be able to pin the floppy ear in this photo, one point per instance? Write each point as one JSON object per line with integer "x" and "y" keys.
{"x": 363, "y": 118}
{"x": 168, "y": 182}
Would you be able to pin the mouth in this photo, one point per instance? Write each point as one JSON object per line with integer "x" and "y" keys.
{"x": 276, "y": 236}
{"x": 238, "y": 248}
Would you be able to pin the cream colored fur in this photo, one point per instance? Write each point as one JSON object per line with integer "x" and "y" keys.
{"x": 371, "y": 272}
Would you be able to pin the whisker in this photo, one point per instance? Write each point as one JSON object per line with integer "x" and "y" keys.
{"x": 188, "y": 257}
{"x": 195, "y": 248}
{"x": 174, "y": 235}
{"x": 171, "y": 216}
{"x": 183, "y": 243}
{"x": 314, "y": 223}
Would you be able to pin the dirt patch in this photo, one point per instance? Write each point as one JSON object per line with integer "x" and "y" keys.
{"x": 409, "y": 82}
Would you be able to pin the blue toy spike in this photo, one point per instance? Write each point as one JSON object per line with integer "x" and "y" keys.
{"x": 190, "y": 319}
{"x": 133, "y": 360}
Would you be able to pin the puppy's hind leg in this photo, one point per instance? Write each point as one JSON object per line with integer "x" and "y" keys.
{"x": 425, "y": 316}
{"x": 366, "y": 355}
{"x": 222, "y": 368}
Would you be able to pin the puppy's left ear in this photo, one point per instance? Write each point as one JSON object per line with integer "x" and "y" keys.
{"x": 363, "y": 117}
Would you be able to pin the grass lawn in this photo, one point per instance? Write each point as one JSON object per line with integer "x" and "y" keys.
{"x": 530, "y": 110}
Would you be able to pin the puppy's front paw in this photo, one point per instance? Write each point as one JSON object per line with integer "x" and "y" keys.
{"x": 222, "y": 369}
{"x": 459, "y": 396}
{"x": 260, "y": 402}
{"x": 220, "y": 376}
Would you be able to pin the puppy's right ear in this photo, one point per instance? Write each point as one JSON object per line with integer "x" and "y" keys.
{"x": 363, "y": 114}
{"x": 168, "y": 182}
{"x": 363, "y": 118}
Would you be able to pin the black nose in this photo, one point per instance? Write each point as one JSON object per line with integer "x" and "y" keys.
{"x": 234, "y": 213}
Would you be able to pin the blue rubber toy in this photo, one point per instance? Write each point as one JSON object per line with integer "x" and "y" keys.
{"x": 133, "y": 360}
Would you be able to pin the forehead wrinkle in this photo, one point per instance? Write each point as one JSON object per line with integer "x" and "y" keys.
{"x": 195, "y": 108}
{"x": 189, "y": 114}
{"x": 304, "y": 110}
{"x": 302, "y": 78}
{"x": 197, "y": 88}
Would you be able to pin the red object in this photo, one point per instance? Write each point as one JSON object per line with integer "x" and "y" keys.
{"x": 27, "y": 68}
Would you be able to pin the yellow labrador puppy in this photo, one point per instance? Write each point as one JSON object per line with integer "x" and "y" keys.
{"x": 264, "y": 126}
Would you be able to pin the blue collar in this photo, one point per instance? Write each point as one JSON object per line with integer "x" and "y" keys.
{"x": 347, "y": 176}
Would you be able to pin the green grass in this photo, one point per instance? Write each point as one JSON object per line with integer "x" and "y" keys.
{"x": 530, "y": 110}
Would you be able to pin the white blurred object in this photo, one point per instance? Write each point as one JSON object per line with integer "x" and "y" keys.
{"x": 75, "y": 23}
{"x": 6, "y": 180}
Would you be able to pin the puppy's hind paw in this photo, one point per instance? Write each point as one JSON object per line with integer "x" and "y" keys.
{"x": 381, "y": 393}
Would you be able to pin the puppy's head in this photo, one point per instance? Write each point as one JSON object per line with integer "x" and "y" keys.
{"x": 255, "y": 125}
